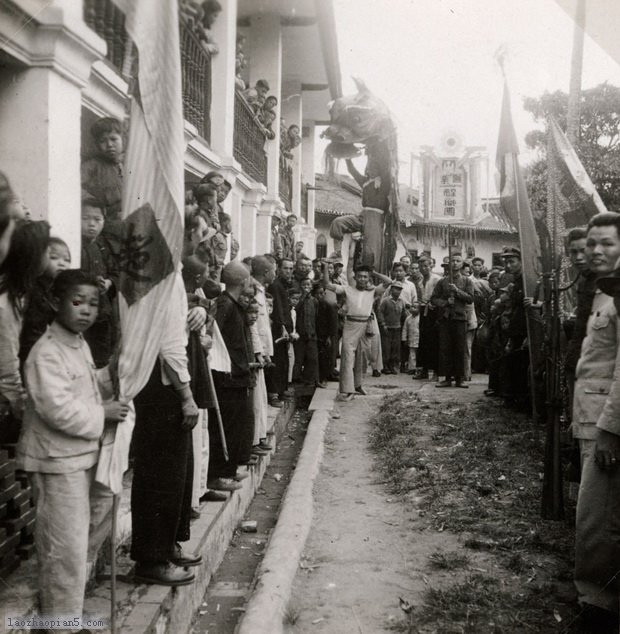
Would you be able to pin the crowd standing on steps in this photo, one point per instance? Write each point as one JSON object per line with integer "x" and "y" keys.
{"x": 251, "y": 332}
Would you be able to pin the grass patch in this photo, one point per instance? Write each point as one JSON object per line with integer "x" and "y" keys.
{"x": 476, "y": 467}
{"x": 448, "y": 560}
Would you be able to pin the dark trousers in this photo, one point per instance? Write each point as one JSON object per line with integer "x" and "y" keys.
{"x": 236, "y": 408}
{"x": 161, "y": 491}
{"x": 390, "y": 342}
{"x": 325, "y": 360}
{"x": 306, "y": 360}
{"x": 428, "y": 348}
{"x": 452, "y": 348}
{"x": 279, "y": 374}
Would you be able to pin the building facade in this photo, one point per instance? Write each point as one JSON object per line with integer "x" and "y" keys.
{"x": 64, "y": 63}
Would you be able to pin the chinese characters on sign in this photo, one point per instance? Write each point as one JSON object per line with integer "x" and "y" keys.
{"x": 451, "y": 197}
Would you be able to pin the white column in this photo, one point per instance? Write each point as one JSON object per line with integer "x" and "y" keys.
{"x": 223, "y": 80}
{"x": 249, "y": 240}
{"x": 263, "y": 230}
{"x": 308, "y": 169}
{"x": 266, "y": 63}
{"x": 292, "y": 113}
{"x": 40, "y": 113}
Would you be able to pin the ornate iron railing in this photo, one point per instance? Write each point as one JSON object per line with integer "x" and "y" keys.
{"x": 103, "y": 17}
{"x": 196, "y": 78}
{"x": 249, "y": 141}
{"x": 108, "y": 21}
{"x": 286, "y": 183}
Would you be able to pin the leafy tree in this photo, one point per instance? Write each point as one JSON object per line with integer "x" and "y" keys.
{"x": 598, "y": 146}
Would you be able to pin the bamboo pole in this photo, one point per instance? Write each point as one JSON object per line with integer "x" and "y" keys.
{"x": 574, "y": 93}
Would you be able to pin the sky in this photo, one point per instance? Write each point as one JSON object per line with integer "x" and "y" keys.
{"x": 432, "y": 62}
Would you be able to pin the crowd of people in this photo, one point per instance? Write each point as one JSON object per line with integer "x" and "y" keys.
{"x": 253, "y": 330}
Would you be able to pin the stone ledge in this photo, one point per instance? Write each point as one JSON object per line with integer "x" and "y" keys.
{"x": 149, "y": 609}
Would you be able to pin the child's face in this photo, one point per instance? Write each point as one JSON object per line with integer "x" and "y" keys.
{"x": 294, "y": 300}
{"x": 395, "y": 292}
{"x": 245, "y": 299}
{"x": 77, "y": 310}
{"x": 319, "y": 293}
{"x": 58, "y": 259}
{"x": 269, "y": 306}
{"x": 111, "y": 145}
{"x": 270, "y": 103}
{"x": 251, "y": 316}
{"x": 92, "y": 222}
{"x": 306, "y": 287}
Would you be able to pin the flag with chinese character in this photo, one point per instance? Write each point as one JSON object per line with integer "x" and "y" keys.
{"x": 151, "y": 295}
{"x": 513, "y": 196}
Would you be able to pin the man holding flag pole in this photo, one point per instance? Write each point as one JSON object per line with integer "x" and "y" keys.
{"x": 153, "y": 308}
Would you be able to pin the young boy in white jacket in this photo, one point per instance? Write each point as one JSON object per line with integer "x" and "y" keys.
{"x": 60, "y": 442}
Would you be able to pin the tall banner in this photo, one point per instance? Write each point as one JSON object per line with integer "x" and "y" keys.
{"x": 152, "y": 299}
{"x": 513, "y": 196}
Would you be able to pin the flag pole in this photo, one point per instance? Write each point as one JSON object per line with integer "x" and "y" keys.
{"x": 527, "y": 293}
{"x": 128, "y": 58}
{"x": 574, "y": 94}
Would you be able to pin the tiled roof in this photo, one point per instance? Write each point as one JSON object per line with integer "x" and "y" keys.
{"x": 341, "y": 195}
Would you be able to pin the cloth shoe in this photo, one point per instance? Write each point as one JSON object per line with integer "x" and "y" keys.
{"x": 213, "y": 496}
{"x": 445, "y": 383}
{"x": 224, "y": 484}
{"x": 184, "y": 560}
{"x": 376, "y": 374}
{"x": 257, "y": 450}
{"x": 275, "y": 402}
{"x": 162, "y": 574}
{"x": 343, "y": 396}
{"x": 461, "y": 383}
{"x": 263, "y": 444}
{"x": 360, "y": 390}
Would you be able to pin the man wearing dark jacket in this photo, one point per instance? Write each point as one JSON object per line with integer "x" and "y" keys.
{"x": 234, "y": 390}
{"x": 281, "y": 327}
{"x": 450, "y": 296}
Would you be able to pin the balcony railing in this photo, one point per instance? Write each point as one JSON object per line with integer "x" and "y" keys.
{"x": 108, "y": 21}
{"x": 249, "y": 141}
{"x": 103, "y": 17}
{"x": 286, "y": 183}
{"x": 196, "y": 77}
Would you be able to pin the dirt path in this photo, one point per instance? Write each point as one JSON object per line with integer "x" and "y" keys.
{"x": 447, "y": 518}
{"x": 365, "y": 549}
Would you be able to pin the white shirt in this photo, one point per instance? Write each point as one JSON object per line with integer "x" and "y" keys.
{"x": 359, "y": 303}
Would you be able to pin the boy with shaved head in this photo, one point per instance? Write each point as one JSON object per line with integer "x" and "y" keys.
{"x": 234, "y": 390}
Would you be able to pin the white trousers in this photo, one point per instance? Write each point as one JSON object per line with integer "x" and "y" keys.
{"x": 260, "y": 407}
{"x": 74, "y": 516}
{"x": 200, "y": 446}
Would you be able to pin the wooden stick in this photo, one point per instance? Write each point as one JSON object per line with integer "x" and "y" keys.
{"x": 113, "y": 566}
{"x": 218, "y": 414}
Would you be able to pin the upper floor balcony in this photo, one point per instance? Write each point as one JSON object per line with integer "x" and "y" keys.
{"x": 103, "y": 17}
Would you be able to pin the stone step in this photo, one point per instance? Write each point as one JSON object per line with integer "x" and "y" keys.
{"x": 146, "y": 609}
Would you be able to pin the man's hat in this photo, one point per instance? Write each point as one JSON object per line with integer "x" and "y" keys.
{"x": 397, "y": 284}
{"x": 610, "y": 284}
{"x": 511, "y": 252}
